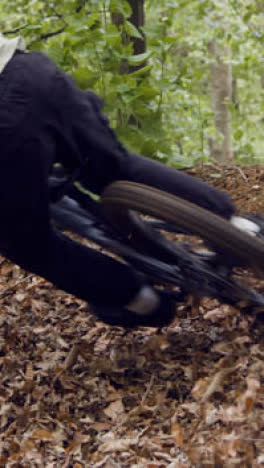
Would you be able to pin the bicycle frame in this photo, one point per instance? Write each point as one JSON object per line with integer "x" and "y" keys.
{"x": 191, "y": 273}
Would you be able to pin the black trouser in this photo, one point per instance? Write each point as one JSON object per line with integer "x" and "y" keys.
{"x": 44, "y": 118}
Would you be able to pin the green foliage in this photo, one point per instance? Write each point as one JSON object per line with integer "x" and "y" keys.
{"x": 170, "y": 97}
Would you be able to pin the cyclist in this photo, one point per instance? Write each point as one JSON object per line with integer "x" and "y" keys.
{"x": 45, "y": 118}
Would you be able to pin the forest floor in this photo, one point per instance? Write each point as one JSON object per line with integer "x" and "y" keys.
{"x": 77, "y": 393}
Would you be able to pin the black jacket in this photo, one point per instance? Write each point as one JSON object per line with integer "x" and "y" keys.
{"x": 45, "y": 118}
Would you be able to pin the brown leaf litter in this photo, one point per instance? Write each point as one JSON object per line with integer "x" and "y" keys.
{"x": 76, "y": 393}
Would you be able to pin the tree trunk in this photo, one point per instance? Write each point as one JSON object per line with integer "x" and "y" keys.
{"x": 221, "y": 84}
{"x": 138, "y": 20}
{"x": 118, "y": 20}
{"x": 235, "y": 96}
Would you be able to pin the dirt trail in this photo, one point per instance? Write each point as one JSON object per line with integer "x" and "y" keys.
{"x": 75, "y": 393}
{"x": 245, "y": 185}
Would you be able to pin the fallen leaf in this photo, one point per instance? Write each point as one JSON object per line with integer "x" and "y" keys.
{"x": 114, "y": 410}
{"x": 178, "y": 434}
{"x": 29, "y": 374}
{"x": 117, "y": 445}
{"x": 217, "y": 382}
{"x": 200, "y": 388}
{"x": 20, "y": 297}
{"x": 42, "y": 434}
{"x": 101, "y": 426}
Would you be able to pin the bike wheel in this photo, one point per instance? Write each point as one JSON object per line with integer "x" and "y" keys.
{"x": 122, "y": 200}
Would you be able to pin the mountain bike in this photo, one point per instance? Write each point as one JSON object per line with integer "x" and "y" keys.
{"x": 133, "y": 221}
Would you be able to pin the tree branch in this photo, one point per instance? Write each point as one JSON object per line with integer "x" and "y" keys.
{"x": 43, "y": 37}
{"x": 14, "y": 31}
{"x": 53, "y": 33}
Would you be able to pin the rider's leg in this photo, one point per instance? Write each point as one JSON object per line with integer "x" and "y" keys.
{"x": 27, "y": 237}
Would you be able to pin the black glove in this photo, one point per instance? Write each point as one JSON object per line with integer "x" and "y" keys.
{"x": 161, "y": 315}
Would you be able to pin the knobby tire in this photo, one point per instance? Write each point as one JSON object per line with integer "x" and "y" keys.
{"x": 121, "y": 200}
